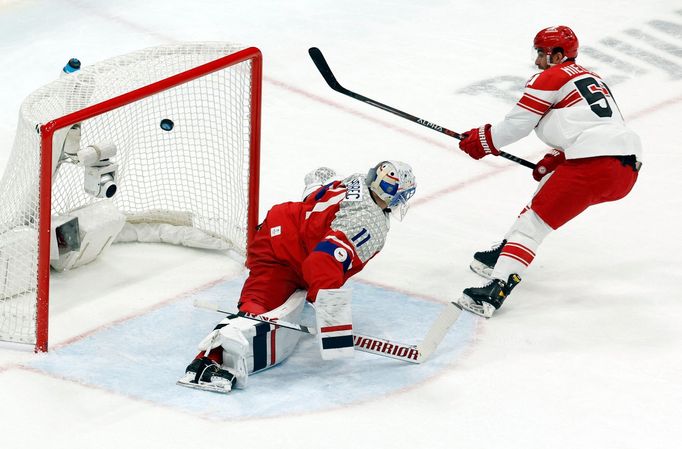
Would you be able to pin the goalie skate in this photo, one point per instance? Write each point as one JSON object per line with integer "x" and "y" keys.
{"x": 205, "y": 374}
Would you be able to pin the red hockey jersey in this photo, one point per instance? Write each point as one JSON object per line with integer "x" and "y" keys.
{"x": 329, "y": 236}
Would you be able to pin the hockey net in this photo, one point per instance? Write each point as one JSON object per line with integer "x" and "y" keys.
{"x": 201, "y": 175}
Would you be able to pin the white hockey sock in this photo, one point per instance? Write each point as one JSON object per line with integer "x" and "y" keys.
{"x": 523, "y": 239}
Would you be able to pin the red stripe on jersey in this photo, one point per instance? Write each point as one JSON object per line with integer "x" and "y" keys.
{"x": 569, "y": 100}
{"x": 539, "y": 100}
{"x": 342, "y": 327}
{"x": 534, "y": 104}
{"x": 577, "y": 100}
{"x": 528, "y": 109}
{"x": 518, "y": 252}
{"x": 556, "y": 76}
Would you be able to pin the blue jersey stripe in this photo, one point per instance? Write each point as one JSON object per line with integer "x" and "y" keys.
{"x": 359, "y": 234}
{"x": 325, "y": 246}
{"x": 365, "y": 240}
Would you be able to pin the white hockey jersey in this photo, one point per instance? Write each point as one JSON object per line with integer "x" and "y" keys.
{"x": 571, "y": 109}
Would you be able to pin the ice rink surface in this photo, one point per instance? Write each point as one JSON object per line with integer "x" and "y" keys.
{"x": 587, "y": 353}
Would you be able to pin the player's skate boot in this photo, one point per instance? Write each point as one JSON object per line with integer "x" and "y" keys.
{"x": 205, "y": 374}
{"x": 484, "y": 261}
{"x": 485, "y": 300}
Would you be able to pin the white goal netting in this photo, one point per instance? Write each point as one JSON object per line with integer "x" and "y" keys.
{"x": 196, "y": 175}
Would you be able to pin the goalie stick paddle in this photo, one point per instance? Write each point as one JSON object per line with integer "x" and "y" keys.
{"x": 326, "y": 72}
{"x": 365, "y": 343}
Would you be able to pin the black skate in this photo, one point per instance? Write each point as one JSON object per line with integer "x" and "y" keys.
{"x": 205, "y": 374}
{"x": 484, "y": 261}
{"x": 483, "y": 301}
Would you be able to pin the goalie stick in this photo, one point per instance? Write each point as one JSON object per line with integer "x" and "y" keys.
{"x": 365, "y": 343}
{"x": 326, "y": 72}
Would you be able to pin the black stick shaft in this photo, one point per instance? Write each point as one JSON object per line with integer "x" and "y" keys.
{"x": 326, "y": 72}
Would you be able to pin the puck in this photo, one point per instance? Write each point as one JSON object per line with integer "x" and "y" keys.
{"x": 167, "y": 124}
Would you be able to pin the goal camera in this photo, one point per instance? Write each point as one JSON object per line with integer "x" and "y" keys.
{"x": 100, "y": 171}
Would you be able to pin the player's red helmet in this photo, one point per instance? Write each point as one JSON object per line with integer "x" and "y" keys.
{"x": 558, "y": 36}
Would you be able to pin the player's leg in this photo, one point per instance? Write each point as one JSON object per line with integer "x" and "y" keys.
{"x": 239, "y": 346}
{"x": 513, "y": 257}
{"x": 572, "y": 188}
{"x": 610, "y": 178}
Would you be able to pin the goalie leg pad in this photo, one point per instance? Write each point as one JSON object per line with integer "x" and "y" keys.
{"x": 334, "y": 323}
{"x": 235, "y": 350}
{"x": 235, "y": 346}
{"x": 270, "y": 344}
{"x": 249, "y": 346}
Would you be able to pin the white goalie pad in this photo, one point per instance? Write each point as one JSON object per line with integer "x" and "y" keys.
{"x": 334, "y": 323}
{"x": 97, "y": 227}
{"x": 235, "y": 349}
{"x": 250, "y": 346}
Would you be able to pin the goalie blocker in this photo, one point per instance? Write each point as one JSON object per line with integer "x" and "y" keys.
{"x": 333, "y": 318}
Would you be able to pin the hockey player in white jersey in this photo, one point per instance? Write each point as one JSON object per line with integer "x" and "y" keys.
{"x": 304, "y": 250}
{"x": 595, "y": 158}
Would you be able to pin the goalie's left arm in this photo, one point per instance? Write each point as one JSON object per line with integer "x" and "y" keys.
{"x": 332, "y": 261}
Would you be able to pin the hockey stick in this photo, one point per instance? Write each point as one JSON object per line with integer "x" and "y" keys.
{"x": 261, "y": 318}
{"x": 326, "y": 72}
{"x": 365, "y": 343}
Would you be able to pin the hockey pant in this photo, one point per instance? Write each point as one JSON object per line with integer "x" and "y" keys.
{"x": 270, "y": 282}
{"x": 573, "y": 187}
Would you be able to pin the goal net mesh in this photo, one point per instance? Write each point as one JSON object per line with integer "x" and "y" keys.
{"x": 195, "y": 175}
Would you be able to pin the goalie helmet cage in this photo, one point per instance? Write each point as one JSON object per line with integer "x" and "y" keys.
{"x": 203, "y": 173}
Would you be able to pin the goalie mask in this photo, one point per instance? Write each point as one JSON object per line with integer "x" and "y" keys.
{"x": 394, "y": 183}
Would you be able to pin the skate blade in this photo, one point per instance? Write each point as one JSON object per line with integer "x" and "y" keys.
{"x": 466, "y": 303}
{"x": 481, "y": 269}
{"x": 203, "y": 386}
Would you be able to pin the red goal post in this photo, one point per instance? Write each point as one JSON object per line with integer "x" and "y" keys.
{"x": 209, "y": 124}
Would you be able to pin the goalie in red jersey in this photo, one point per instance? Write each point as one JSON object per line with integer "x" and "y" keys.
{"x": 302, "y": 251}
{"x": 596, "y": 158}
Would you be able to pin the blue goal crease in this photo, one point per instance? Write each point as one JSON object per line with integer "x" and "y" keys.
{"x": 144, "y": 356}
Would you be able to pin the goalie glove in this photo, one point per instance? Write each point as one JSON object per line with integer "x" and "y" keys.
{"x": 317, "y": 178}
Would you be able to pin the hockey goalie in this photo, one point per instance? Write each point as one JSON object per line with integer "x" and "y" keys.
{"x": 304, "y": 251}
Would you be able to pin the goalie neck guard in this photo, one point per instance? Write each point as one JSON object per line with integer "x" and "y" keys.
{"x": 394, "y": 183}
